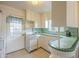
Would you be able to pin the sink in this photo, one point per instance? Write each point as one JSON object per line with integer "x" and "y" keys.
{"x": 34, "y": 36}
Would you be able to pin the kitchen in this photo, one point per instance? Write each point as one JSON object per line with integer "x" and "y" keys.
{"x": 30, "y": 26}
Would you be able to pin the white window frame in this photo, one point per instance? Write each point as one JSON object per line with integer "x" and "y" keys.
{"x": 15, "y": 25}
{"x": 48, "y": 24}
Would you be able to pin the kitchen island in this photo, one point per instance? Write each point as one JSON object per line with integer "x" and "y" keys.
{"x": 67, "y": 44}
{"x": 67, "y": 47}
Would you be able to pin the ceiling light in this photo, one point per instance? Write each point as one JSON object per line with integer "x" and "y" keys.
{"x": 36, "y": 2}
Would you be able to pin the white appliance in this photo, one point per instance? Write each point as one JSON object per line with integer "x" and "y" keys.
{"x": 2, "y": 49}
{"x": 31, "y": 42}
{"x": 2, "y": 35}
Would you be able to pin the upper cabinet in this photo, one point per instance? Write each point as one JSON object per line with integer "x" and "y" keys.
{"x": 59, "y": 13}
{"x": 32, "y": 19}
{"x": 65, "y": 13}
{"x": 31, "y": 15}
{"x": 72, "y": 14}
{"x": 44, "y": 17}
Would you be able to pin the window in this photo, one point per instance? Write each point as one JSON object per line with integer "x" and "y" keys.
{"x": 15, "y": 25}
{"x": 62, "y": 29}
{"x": 55, "y": 29}
{"x": 48, "y": 24}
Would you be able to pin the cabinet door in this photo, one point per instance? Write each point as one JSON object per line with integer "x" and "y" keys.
{"x": 72, "y": 14}
{"x": 33, "y": 43}
{"x": 59, "y": 13}
{"x": 43, "y": 41}
{"x": 27, "y": 43}
{"x": 0, "y": 24}
{"x": 47, "y": 39}
{"x": 40, "y": 41}
{"x": 28, "y": 15}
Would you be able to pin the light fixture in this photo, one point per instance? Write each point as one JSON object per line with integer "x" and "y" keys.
{"x": 36, "y": 2}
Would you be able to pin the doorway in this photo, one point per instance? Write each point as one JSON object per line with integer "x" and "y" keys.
{"x": 15, "y": 38}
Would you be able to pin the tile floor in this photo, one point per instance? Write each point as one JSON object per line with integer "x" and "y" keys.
{"x": 40, "y": 53}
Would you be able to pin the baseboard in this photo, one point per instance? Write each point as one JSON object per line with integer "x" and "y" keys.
{"x": 14, "y": 51}
{"x": 27, "y": 51}
{"x": 37, "y": 49}
{"x": 32, "y": 50}
{"x": 45, "y": 50}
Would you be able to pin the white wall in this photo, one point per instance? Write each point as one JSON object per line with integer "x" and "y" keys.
{"x": 59, "y": 13}
{"x": 9, "y": 11}
{"x": 72, "y": 14}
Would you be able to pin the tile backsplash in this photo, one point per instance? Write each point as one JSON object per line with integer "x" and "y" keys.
{"x": 67, "y": 31}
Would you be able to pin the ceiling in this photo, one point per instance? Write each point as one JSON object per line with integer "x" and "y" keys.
{"x": 43, "y": 6}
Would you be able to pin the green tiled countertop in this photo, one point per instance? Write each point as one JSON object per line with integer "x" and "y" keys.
{"x": 47, "y": 34}
{"x": 67, "y": 44}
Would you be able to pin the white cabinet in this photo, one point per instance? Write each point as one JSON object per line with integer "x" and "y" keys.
{"x": 2, "y": 43}
{"x": 30, "y": 15}
{"x": 65, "y": 13}
{"x": 33, "y": 17}
{"x": 31, "y": 42}
{"x": 72, "y": 14}
{"x": 59, "y": 13}
{"x": 44, "y": 39}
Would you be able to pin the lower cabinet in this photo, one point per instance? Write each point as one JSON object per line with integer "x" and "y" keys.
{"x": 31, "y": 42}
{"x": 43, "y": 41}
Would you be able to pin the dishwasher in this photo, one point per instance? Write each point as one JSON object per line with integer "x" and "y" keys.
{"x": 31, "y": 42}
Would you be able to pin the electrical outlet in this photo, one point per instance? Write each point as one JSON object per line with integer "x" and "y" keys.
{"x": 0, "y": 11}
